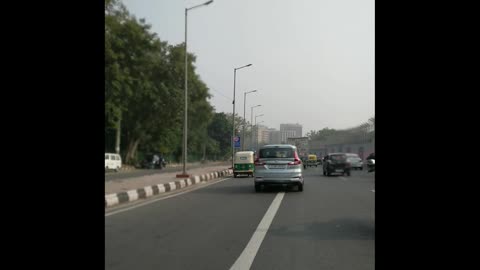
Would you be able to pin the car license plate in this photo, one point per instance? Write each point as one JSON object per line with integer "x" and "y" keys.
{"x": 338, "y": 170}
{"x": 276, "y": 166}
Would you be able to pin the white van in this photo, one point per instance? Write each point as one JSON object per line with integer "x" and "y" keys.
{"x": 113, "y": 162}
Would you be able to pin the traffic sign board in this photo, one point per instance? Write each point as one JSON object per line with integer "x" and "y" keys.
{"x": 236, "y": 141}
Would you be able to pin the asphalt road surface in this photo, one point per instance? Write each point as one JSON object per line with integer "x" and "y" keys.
{"x": 226, "y": 225}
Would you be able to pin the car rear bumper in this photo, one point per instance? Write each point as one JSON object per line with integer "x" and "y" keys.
{"x": 338, "y": 170}
{"x": 243, "y": 171}
{"x": 279, "y": 181}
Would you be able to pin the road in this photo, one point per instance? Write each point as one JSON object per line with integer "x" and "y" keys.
{"x": 330, "y": 225}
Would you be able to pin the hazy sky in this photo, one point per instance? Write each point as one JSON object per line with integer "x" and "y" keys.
{"x": 313, "y": 60}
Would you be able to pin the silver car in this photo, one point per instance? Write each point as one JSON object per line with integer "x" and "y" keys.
{"x": 355, "y": 161}
{"x": 278, "y": 164}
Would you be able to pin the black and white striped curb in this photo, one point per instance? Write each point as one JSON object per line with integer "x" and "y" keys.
{"x": 142, "y": 193}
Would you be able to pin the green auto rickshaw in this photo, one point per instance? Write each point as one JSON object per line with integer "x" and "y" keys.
{"x": 244, "y": 163}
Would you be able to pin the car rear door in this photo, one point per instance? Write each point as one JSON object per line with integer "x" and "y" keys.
{"x": 285, "y": 165}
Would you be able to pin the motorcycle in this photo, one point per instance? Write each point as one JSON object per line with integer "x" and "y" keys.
{"x": 371, "y": 165}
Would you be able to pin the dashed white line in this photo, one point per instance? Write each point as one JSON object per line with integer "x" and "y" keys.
{"x": 343, "y": 178}
{"x": 245, "y": 260}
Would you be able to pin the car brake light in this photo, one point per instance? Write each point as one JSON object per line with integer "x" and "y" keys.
{"x": 297, "y": 160}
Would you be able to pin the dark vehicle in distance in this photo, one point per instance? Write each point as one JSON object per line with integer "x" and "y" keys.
{"x": 371, "y": 162}
{"x": 153, "y": 161}
{"x": 336, "y": 163}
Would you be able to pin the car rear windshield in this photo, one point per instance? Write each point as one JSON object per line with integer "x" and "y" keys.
{"x": 277, "y": 153}
{"x": 338, "y": 157}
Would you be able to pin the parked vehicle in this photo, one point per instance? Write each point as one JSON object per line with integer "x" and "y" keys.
{"x": 278, "y": 164}
{"x": 153, "y": 161}
{"x": 113, "y": 162}
{"x": 244, "y": 164}
{"x": 355, "y": 161}
{"x": 336, "y": 163}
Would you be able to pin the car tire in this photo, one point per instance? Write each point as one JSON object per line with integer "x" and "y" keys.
{"x": 324, "y": 172}
{"x": 361, "y": 169}
{"x": 257, "y": 188}
{"x": 300, "y": 187}
{"x": 328, "y": 173}
{"x": 348, "y": 173}
{"x": 234, "y": 175}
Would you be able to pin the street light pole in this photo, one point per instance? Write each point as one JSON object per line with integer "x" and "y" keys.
{"x": 233, "y": 115}
{"x": 185, "y": 119}
{"x": 244, "y": 120}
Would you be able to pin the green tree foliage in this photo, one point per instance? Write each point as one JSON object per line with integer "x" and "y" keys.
{"x": 144, "y": 91}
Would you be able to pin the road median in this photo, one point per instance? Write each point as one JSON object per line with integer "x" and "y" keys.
{"x": 122, "y": 192}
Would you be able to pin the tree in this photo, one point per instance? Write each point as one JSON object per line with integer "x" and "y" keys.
{"x": 220, "y": 130}
{"x": 144, "y": 91}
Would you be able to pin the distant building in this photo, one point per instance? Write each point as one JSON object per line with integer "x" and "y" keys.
{"x": 290, "y": 131}
{"x": 274, "y": 136}
{"x": 262, "y": 135}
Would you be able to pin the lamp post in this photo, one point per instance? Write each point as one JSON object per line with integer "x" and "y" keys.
{"x": 185, "y": 119}
{"x": 244, "y": 120}
{"x": 233, "y": 115}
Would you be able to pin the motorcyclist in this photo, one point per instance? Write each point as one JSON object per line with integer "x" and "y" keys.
{"x": 371, "y": 162}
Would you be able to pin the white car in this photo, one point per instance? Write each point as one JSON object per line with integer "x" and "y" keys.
{"x": 113, "y": 162}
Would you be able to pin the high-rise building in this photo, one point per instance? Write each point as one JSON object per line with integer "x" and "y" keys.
{"x": 262, "y": 135}
{"x": 290, "y": 131}
{"x": 274, "y": 136}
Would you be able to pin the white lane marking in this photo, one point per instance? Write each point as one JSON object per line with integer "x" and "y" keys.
{"x": 373, "y": 190}
{"x": 343, "y": 178}
{"x": 162, "y": 198}
{"x": 248, "y": 255}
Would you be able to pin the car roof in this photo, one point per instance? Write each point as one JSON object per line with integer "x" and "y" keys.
{"x": 277, "y": 145}
{"x": 245, "y": 152}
